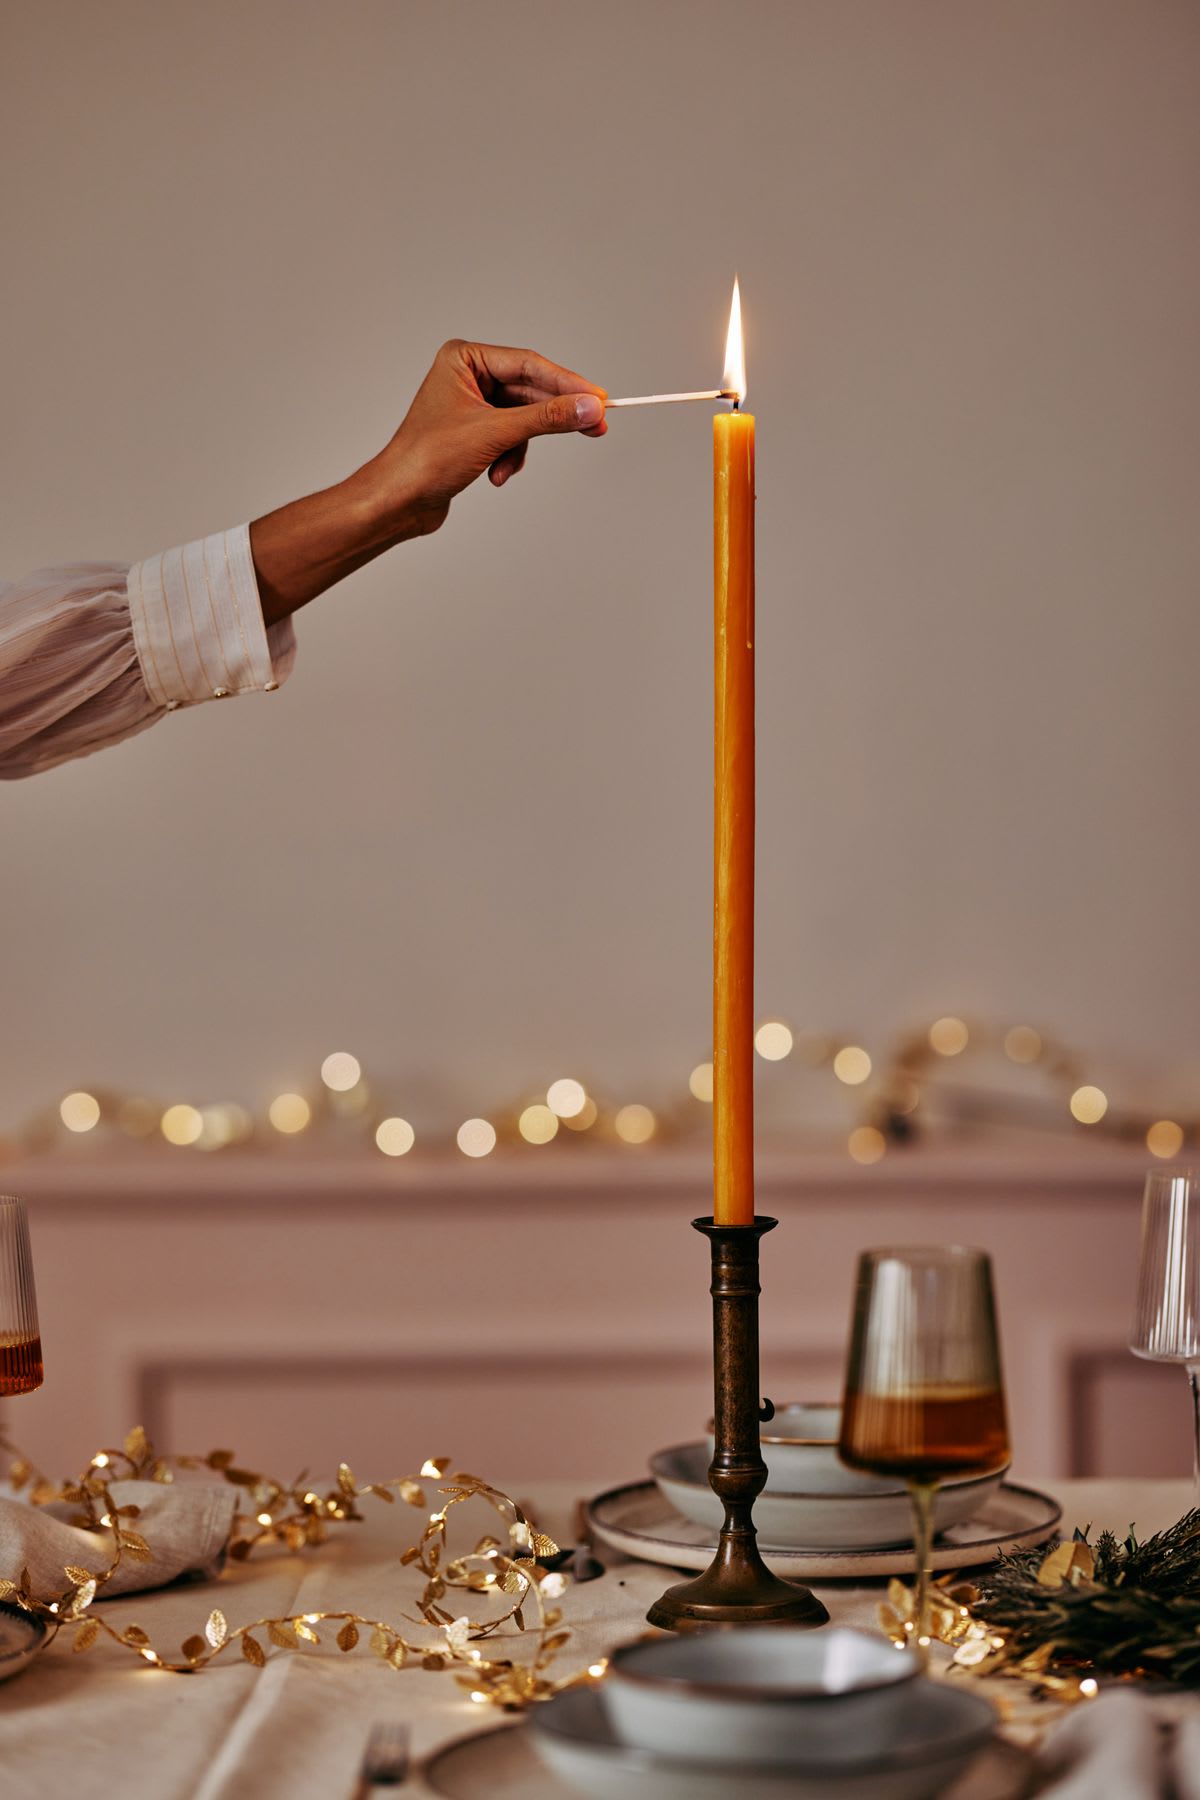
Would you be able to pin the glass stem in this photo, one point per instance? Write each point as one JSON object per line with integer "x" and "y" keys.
{"x": 1193, "y": 1370}
{"x": 921, "y": 1493}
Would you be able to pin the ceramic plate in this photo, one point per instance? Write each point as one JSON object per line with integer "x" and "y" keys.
{"x": 504, "y": 1764}
{"x": 21, "y": 1637}
{"x": 854, "y": 1519}
{"x": 638, "y": 1522}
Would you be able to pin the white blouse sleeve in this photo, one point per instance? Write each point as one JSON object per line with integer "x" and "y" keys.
{"x": 94, "y": 653}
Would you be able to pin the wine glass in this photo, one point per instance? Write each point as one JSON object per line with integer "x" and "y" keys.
{"x": 1166, "y": 1320}
{"x": 20, "y": 1339}
{"x": 924, "y": 1398}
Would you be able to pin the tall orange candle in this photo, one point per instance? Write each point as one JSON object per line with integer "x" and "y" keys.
{"x": 733, "y": 812}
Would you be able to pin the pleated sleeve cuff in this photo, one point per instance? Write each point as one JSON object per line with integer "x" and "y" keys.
{"x": 198, "y": 627}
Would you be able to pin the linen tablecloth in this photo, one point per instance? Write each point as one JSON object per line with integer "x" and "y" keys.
{"x": 102, "y": 1724}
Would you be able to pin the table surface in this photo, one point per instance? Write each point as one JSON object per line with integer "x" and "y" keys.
{"x": 104, "y": 1723}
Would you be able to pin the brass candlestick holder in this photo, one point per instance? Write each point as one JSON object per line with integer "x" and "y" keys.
{"x": 737, "y": 1588}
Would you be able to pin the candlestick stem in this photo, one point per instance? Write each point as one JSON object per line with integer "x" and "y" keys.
{"x": 737, "y": 1588}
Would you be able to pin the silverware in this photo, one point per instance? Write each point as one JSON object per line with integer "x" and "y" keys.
{"x": 385, "y": 1762}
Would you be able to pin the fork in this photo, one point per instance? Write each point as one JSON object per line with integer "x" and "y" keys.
{"x": 385, "y": 1762}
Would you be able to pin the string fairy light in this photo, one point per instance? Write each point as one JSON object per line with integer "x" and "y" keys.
{"x": 898, "y": 1097}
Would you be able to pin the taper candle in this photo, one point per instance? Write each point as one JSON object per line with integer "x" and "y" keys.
{"x": 733, "y": 811}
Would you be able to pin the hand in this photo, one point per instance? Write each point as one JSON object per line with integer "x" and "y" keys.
{"x": 477, "y": 409}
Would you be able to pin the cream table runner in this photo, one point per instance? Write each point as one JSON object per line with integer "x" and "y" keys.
{"x": 101, "y": 1725}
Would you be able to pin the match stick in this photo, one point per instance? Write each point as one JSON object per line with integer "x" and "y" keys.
{"x": 670, "y": 399}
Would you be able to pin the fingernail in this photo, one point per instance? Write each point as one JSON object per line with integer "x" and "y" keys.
{"x": 588, "y": 409}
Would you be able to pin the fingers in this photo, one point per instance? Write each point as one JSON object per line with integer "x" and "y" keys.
{"x": 508, "y": 465}
{"x": 509, "y": 426}
{"x": 526, "y": 368}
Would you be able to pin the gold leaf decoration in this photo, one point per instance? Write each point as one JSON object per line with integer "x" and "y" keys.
{"x": 301, "y": 1518}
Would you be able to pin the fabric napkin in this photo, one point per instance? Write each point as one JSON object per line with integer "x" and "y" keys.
{"x": 1117, "y": 1748}
{"x": 185, "y": 1524}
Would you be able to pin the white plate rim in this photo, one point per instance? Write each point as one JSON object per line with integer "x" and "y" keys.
{"x": 832, "y": 1564}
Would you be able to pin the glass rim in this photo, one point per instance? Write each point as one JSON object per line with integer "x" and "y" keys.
{"x": 943, "y": 1252}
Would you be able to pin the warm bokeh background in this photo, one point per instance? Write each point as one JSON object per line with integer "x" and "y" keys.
{"x": 471, "y": 839}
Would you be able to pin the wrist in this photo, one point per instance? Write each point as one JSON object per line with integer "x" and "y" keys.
{"x": 383, "y": 499}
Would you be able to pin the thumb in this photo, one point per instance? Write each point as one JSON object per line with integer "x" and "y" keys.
{"x": 510, "y": 426}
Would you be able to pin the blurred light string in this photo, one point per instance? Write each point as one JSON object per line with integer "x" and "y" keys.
{"x": 914, "y": 1092}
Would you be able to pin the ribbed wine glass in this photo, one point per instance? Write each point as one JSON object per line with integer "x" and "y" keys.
{"x": 1166, "y": 1320}
{"x": 924, "y": 1397}
{"x": 20, "y": 1339}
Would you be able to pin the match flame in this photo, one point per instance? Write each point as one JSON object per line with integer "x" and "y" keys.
{"x": 734, "y": 380}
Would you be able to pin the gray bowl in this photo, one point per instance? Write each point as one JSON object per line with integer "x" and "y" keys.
{"x": 754, "y": 1696}
{"x": 845, "y": 1517}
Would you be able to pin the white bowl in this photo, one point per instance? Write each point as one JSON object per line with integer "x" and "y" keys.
{"x": 799, "y": 1447}
{"x": 834, "y": 1518}
{"x": 943, "y": 1727}
{"x": 757, "y": 1696}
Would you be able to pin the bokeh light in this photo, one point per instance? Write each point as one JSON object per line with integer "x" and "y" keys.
{"x": 395, "y": 1137}
{"x": 181, "y": 1124}
{"x": 289, "y": 1113}
{"x": 948, "y": 1036}
{"x": 1023, "y": 1044}
{"x": 585, "y": 1118}
{"x": 476, "y": 1137}
{"x": 635, "y": 1124}
{"x": 1165, "y": 1139}
{"x": 852, "y": 1065}
{"x": 700, "y": 1081}
{"x": 537, "y": 1124}
{"x": 341, "y": 1071}
{"x": 566, "y": 1097}
{"x": 1089, "y": 1105}
{"x": 79, "y": 1111}
{"x": 773, "y": 1040}
{"x": 867, "y": 1144}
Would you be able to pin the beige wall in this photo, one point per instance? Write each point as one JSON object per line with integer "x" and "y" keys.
{"x": 470, "y": 840}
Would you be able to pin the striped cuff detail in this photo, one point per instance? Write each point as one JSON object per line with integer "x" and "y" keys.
{"x": 198, "y": 626}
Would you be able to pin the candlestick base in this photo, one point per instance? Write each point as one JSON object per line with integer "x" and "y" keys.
{"x": 737, "y": 1588}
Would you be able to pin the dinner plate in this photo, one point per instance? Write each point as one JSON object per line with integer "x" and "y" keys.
{"x": 21, "y": 1637}
{"x": 854, "y": 1519}
{"x": 638, "y": 1522}
{"x": 504, "y": 1764}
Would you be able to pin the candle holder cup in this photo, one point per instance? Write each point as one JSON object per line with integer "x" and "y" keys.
{"x": 737, "y": 1588}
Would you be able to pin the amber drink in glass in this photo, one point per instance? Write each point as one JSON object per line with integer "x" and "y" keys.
{"x": 924, "y": 1398}
{"x": 20, "y": 1339}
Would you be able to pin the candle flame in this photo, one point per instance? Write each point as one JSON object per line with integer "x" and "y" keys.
{"x": 735, "y": 355}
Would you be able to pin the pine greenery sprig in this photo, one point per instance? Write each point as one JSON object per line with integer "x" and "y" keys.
{"x": 1119, "y": 1608}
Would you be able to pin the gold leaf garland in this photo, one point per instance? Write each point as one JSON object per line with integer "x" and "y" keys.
{"x": 296, "y": 1518}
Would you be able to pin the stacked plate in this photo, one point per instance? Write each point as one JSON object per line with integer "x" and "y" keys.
{"x": 761, "y": 1715}
{"x": 816, "y": 1518}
